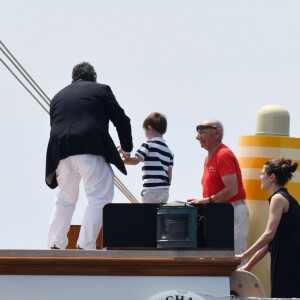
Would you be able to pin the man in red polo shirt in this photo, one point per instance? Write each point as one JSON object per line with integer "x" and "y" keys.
{"x": 222, "y": 179}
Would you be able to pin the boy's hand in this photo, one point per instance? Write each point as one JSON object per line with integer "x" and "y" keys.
{"x": 132, "y": 160}
{"x": 125, "y": 159}
{"x": 124, "y": 154}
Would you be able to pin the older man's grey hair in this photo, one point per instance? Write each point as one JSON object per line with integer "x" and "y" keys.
{"x": 219, "y": 125}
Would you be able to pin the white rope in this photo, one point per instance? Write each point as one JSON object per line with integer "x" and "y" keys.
{"x": 124, "y": 190}
{"x": 44, "y": 102}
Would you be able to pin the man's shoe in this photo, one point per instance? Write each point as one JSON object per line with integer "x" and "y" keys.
{"x": 54, "y": 247}
{"x": 79, "y": 248}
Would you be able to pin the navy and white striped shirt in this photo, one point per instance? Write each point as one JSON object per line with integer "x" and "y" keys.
{"x": 157, "y": 159}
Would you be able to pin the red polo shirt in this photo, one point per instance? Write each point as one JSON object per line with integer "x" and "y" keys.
{"x": 222, "y": 162}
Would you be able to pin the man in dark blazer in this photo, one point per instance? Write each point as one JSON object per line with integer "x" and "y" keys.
{"x": 80, "y": 147}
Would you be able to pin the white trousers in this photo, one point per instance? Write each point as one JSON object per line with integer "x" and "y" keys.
{"x": 98, "y": 181}
{"x": 241, "y": 229}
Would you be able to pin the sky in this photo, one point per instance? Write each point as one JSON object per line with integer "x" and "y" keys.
{"x": 190, "y": 60}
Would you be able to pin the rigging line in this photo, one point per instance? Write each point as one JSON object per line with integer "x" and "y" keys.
{"x": 36, "y": 99}
{"x": 121, "y": 189}
{"x": 124, "y": 189}
{"x": 117, "y": 181}
{"x": 37, "y": 89}
{"x": 45, "y": 97}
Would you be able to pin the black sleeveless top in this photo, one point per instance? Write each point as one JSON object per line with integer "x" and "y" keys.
{"x": 285, "y": 251}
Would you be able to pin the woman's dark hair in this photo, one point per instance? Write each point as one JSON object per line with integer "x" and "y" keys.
{"x": 157, "y": 121}
{"x": 282, "y": 168}
{"x": 84, "y": 71}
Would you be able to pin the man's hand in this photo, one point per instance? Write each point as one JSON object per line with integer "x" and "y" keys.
{"x": 196, "y": 201}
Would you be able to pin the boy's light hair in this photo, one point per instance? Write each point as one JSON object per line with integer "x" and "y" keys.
{"x": 157, "y": 121}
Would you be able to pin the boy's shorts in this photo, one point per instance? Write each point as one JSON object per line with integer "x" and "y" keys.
{"x": 160, "y": 195}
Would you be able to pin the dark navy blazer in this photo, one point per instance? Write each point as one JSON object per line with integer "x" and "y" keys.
{"x": 79, "y": 116}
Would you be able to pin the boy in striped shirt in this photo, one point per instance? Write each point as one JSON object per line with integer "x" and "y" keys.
{"x": 157, "y": 160}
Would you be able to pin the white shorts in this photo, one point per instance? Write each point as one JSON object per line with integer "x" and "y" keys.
{"x": 160, "y": 195}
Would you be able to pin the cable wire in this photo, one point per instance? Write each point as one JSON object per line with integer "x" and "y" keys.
{"x": 46, "y": 105}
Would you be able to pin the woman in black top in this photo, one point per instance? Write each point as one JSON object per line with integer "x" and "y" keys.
{"x": 282, "y": 234}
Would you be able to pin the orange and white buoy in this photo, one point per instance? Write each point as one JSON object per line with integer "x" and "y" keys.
{"x": 271, "y": 140}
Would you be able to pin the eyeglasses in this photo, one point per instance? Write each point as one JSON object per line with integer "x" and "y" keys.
{"x": 203, "y": 127}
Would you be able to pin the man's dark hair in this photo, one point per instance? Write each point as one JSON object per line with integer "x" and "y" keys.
{"x": 157, "y": 121}
{"x": 84, "y": 71}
